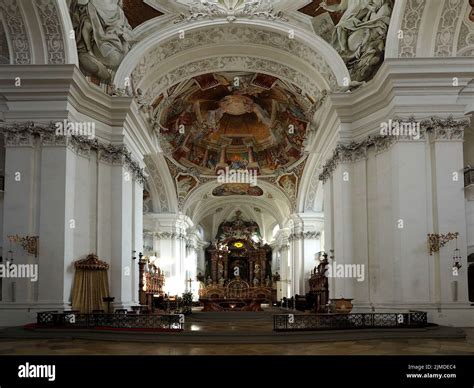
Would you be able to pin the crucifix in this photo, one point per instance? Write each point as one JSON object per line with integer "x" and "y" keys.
{"x": 189, "y": 284}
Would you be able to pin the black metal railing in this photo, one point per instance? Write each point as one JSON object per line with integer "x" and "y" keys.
{"x": 305, "y": 322}
{"x": 45, "y": 317}
{"x": 468, "y": 177}
{"x": 124, "y": 321}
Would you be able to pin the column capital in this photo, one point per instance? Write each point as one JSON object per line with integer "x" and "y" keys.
{"x": 23, "y": 134}
{"x": 447, "y": 129}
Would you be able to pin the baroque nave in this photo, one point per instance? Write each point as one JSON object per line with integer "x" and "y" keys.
{"x": 175, "y": 158}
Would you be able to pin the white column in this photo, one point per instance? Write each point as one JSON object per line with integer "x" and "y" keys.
{"x": 286, "y": 274}
{"x": 80, "y": 213}
{"x": 343, "y": 226}
{"x": 410, "y": 204}
{"x": 3, "y": 245}
{"x": 296, "y": 254}
{"x": 359, "y": 252}
{"x": 329, "y": 225}
{"x": 137, "y": 238}
{"x": 19, "y": 211}
{"x": 449, "y": 215}
{"x": 313, "y": 225}
{"x": 121, "y": 259}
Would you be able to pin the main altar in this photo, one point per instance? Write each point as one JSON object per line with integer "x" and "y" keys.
{"x": 238, "y": 269}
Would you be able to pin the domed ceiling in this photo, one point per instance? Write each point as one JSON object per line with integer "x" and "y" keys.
{"x": 235, "y": 120}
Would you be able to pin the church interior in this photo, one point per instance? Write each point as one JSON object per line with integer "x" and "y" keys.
{"x": 237, "y": 177}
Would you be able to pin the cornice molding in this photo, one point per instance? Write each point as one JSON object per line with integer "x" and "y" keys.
{"x": 438, "y": 129}
{"x": 23, "y": 134}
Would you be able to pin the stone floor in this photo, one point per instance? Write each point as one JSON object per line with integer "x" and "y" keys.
{"x": 255, "y": 331}
{"x": 20, "y": 342}
{"x": 362, "y": 347}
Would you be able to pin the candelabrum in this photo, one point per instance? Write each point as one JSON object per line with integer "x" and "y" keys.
{"x": 28, "y": 243}
{"x": 436, "y": 241}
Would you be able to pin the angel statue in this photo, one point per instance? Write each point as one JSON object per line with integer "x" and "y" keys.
{"x": 103, "y": 35}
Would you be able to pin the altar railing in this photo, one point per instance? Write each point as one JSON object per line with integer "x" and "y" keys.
{"x": 308, "y": 322}
{"x": 52, "y": 319}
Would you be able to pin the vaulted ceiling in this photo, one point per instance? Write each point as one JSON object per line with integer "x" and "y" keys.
{"x": 177, "y": 55}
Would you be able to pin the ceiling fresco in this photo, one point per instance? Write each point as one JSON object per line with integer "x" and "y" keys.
{"x": 230, "y": 121}
{"x": 229, "y": 189}
{"x": 138, "y": 12}
{"x": 237, "y": 121}
{"x": 357, "y": 29}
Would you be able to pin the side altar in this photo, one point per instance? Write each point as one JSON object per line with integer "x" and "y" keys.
{"x": 238, "y": 269}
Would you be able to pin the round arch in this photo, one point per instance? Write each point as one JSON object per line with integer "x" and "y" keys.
{"x": 197, "y": 208}
{"x": 38, "y": 32}
{"x": 164, "y": 44}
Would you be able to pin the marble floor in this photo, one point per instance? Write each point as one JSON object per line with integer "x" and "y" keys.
{"x": 16, "y": 341}
{"x": 359, "y": 347}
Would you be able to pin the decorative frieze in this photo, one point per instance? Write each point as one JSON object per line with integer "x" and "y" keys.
{"x": 344, "y": 153}
{"x": 437, "y": 128}
{"x": 227, "y": 9}
{"x": 310, "y": 235}
{"x": 224, "y": 35}
{"x": 447, "y": 28}
{"x": 17, "y": 31}
{"x": 24, "y": 134}
{"x": 446, "y": 129}
{"x": 410, "y": 26}
{"x": 170, "y": 236}
{"x": 53, "y": 34}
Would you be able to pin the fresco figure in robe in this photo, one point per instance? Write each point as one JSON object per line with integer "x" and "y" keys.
{"x": 103, "y": 35}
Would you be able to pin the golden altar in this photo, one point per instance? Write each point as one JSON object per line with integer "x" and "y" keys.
{"x": 238, "y": 295}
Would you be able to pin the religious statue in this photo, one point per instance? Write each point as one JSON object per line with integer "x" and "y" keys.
{"x": 220, "y": 270}
{"x": 103, "y": 35}
{"x": 257, "y": 269}
{"x": 221, "y": 282}
{"x": 276, "y": 277}
{"x": 255, "y": 282}
{"x": 209, "y": 281}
